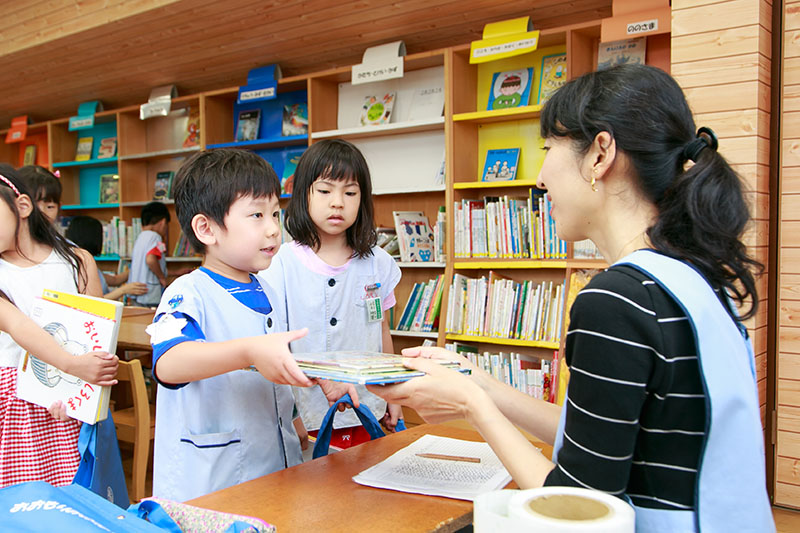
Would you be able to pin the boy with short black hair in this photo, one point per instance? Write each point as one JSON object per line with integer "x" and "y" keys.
{"x": 218, "y": 425}
{"x": 149, "y": 255}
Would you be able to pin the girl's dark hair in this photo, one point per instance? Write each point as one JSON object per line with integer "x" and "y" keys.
{"x": 86, "y": 232}
{"x": 44, "y": 186}
{"x": 209, "y": 182}
{"x": 41, "y": 229}
{"x": 702, "y": 212}
{"x": 333, "y": 159}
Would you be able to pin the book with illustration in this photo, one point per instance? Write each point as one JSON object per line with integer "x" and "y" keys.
{"x": 361, "y": 367}
{"x": 109, "y": 189}
{"x": 162, "y": 190}
{"x": 624, "y": 52}
{"x": 247, "y": 125}
{"x": 553, "y": 76}
{"x": 79, "y": 324}
{"x": 295, "y": 120}
{"x": 83, "y": 152}
{"x": 414, "y": 235}
{"x": 511, "y": 88}
{"x": 501, "y": 164}
{"x": 377, "y": 109}
{"x": 191, "y": 136}
{"x": 107, "y": 148}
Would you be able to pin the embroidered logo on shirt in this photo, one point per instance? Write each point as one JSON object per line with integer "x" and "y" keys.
{"x": 176, "y": 301}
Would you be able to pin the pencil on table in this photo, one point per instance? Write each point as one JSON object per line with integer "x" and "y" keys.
{"x": 449, "y": 457}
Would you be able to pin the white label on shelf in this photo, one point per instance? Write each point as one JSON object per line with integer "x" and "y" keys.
{"x": 635, "y": 28}
{"x": 505, "y": 47}
{"x": 268, "y": 92}
{"x": 77, "y": 123}
{"x": 151, "y": 110}
{"x": 393, "y": 68}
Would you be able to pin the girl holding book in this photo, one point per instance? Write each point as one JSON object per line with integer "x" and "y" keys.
{"x": 334, "y": 278}
{"x": 662, "y": 407}
{"x": 33, "y": 256}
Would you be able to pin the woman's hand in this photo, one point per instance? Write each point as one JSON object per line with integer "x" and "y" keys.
{"x": 443, "y": 394}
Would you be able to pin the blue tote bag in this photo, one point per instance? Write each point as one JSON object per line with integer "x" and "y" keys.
{"x": 100, "y": 469}
{"x": 363, "y": 413}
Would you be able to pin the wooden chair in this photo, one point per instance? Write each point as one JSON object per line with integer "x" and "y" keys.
{"x": 136, "y": 424}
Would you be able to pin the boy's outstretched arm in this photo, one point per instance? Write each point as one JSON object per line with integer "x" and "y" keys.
{"x": 192, "y": 361}
{"x": 98, "y": 368}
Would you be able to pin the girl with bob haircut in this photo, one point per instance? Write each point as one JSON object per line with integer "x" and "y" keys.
{"x": 662, "y": 408}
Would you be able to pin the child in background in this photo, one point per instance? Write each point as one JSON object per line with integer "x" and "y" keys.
{"x": 149, "y": 256}
{"x": 87, "y": 233}
{"x": 33, "y": 256}
{"x": 45, "y": 188}
{"x": 218, "y": 423}
{"x": 332, "y": 277}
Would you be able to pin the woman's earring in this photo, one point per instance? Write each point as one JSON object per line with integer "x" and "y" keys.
{"x": 594, "y": 179}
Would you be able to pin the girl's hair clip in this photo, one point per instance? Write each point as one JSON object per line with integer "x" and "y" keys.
{"x": 8, "y": 182}
{"x": 57, "y": 173}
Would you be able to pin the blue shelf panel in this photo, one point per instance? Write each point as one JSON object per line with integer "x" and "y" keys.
{"x": 108, "y": 161}
{"x": 89, "y": 206}
{"x": 107, "y": 257}
{"x": 273, "y": 142}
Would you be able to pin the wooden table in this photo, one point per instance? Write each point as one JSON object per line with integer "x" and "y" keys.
{"x": 321, "y": 496}
{"x": 131, "y": 329}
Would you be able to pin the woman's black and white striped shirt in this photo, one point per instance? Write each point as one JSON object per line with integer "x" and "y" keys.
{"x": 635, "y": 412}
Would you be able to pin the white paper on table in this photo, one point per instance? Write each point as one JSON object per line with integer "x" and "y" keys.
{"x": 406, "y": 472}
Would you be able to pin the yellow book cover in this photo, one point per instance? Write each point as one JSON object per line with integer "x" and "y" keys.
{"x": 79, "y": 324}
{"x": 84, "y": 150}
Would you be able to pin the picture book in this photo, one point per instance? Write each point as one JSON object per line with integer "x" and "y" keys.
{"x": 377, "y": 109}
{"x": 107, "y": 148}
{"x": 414, "y": 235}
{"x": 162, "y": 190}
{"x": 295, "y": 120}
{"x": 624, "y": 52}
{"x": 361, "y": 367}
{"x": 192, "y": 135}
{"x": 501, "y": 164}
{"x": 511, "y": 88}
{"x": 79, "y": 324}
{"x": 247, "y": 125}
{"x": 29, "y": 158}
{"x": 290, "y": 159}
{"x": 553, "y": 76}
{"x": 427, "y": 103}
{"x": 109, "y": 189}
{"x": 84, "y": 150}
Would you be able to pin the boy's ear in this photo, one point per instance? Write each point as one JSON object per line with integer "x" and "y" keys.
{"x": 203, "y": 229}
{"x": 24, "y": 205}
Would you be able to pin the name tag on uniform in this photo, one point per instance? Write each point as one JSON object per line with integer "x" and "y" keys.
{"x": 373, "y": 303}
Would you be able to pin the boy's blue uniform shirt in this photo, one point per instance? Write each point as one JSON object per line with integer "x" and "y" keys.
{"x": 249, "y": 294}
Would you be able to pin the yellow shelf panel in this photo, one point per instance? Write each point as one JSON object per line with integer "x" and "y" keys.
{"x": 500, "y": 115}
{"x": 493, "y": 184}
{"x": 506, "y": 342}
{"x": 509, "y": 263}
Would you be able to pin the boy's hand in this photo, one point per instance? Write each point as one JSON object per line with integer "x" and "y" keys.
{"x": 394, "y": 413}
{"x": 334, "y": 390}
{"x": 58, "y": 411}
{"x": 97, "y": 368}
{"x": 271, "y": 356}
{"x": 134, "y": 287}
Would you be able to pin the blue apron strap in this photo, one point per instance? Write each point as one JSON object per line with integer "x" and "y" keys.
{"x": 363, "y": 413}
{"x": 155, "y": 514}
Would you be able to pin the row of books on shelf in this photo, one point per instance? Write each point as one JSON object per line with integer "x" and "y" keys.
{"x": 182, "y": 247}
{"x": 530, "y": 375}
{"x": 506, "y": 227}
{"x": 421, "y": 312}
{"x": 119, "y": 236}
{"x": 504, "y": 308}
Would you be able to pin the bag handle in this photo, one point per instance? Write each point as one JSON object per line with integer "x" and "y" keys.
{"x": 363, "y": 413}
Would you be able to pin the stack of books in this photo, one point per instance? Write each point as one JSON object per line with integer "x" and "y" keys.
{"x": 363, "y": 368}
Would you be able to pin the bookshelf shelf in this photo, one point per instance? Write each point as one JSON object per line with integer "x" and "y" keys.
{"x": 493, "y": 184}
{"x": 416, "y": 190}
{"x": 499, "y": 115}
{"x": 274, "y": 142}
{"x": 413, "y": 126}
{"x": 145, "y": 202}
{"x": 420, "y": 264}
{"x": 484, "y": 264}
{"x": 75, "y": 207}
{"x": 418, "y": 334}
{"x": 105, "y": 162}
{"x": 161, "y": 154}
{"x": 506, "y": 342}
{"x": 107, "y": 257}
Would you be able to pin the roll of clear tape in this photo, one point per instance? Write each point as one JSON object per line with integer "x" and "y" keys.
{"x": 552, "y": 509}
